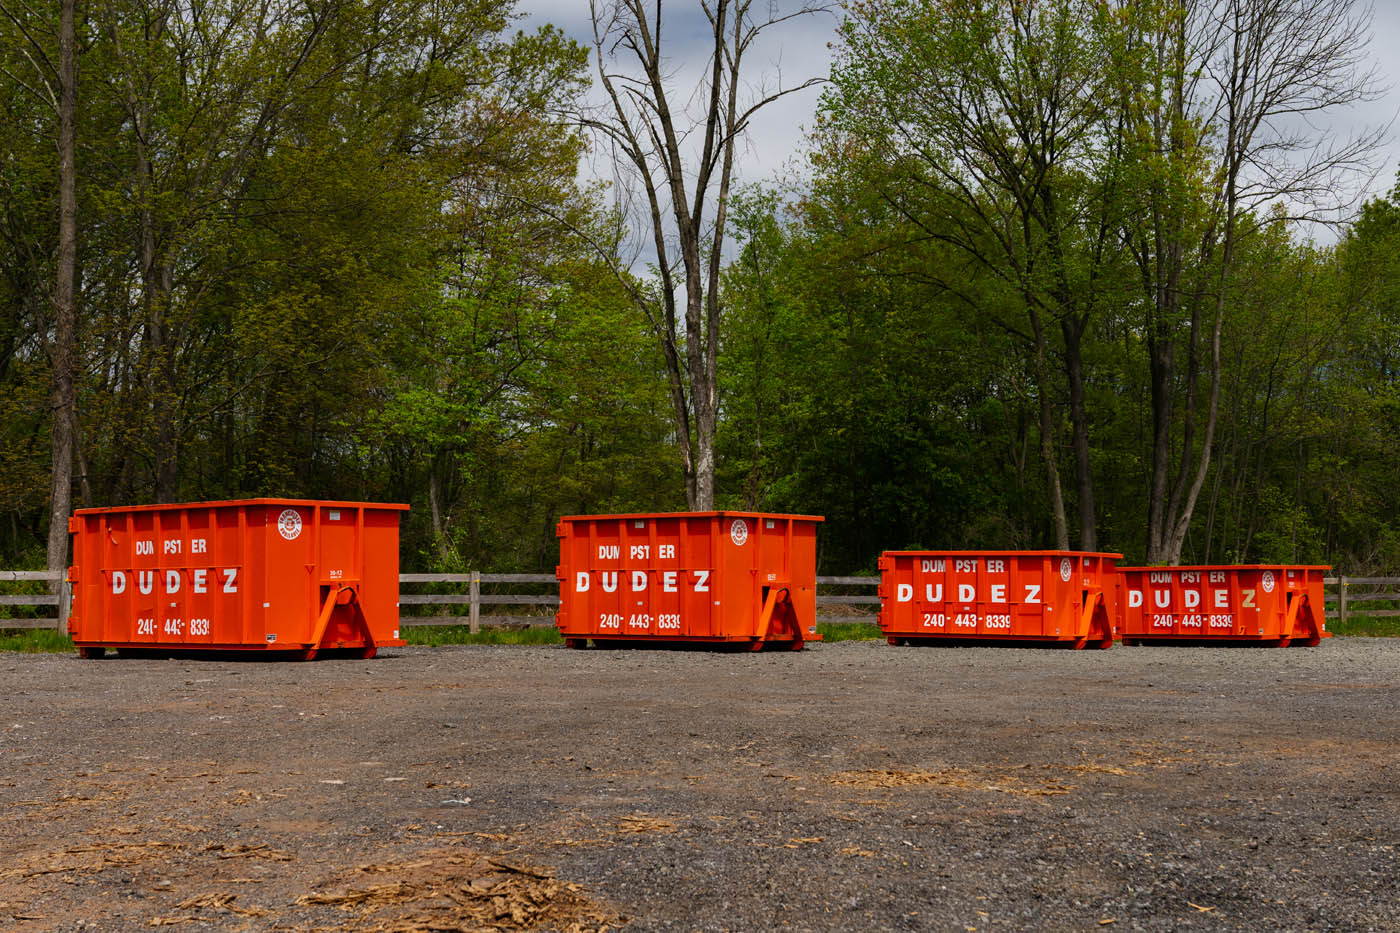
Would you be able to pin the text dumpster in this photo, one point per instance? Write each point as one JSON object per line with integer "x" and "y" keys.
{"x": 701, "y": 577}
{"x": 1274, "y": 605}
{"x": 1049, "y": 597}
{"x": 258, "y": 574}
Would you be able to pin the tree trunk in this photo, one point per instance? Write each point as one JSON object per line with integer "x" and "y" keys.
{"x": 1047, "y": 437}
{"x": 61, "y": 483}
{"x": 1073, "y": 329}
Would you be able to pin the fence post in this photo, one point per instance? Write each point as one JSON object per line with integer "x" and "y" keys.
{"x": 476, "y": 602}
{"x": 65, "y": 602}
{"x": 1342, "y": 599}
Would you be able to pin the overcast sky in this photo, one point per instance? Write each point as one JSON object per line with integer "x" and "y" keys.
{"x": 801, "y": 49}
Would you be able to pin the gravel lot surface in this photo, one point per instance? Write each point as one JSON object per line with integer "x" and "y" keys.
{"x": 850, "y": 786}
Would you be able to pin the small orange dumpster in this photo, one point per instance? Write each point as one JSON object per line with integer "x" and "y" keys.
{"x": 1063, "y": 598}
{"x": 281, "y": 575}
{"x": 1266, "y": 604}
{"x": 743, "y": 578}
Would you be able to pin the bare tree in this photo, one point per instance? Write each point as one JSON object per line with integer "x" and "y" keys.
{"x": 681, "y": 151}
{"x": 1233, "y": 92}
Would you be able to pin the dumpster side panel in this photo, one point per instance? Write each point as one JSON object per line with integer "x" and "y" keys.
{"x": 689, "y": 576}
{"x": 245, "y": 575}
{"x": 997, "y": 595}
{"x": 1223, "y": 604}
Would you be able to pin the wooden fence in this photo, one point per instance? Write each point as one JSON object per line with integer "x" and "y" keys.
{"x": 1346, "y": 596}
{"x": 543, "y": 604}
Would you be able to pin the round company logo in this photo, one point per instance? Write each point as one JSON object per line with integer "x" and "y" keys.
{"x": 739, "y": 532}
{"x": 289, "y": 524}
{"x": 1268, "y": 581}
{"x": 1066, "y": 569}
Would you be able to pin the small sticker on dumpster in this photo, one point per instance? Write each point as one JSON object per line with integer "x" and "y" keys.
{"x": 271, "y": 638}
{"x": 1268, "y": 581}
{"x": 289, "y": 524}
{"x": 1066, "y": 569}
{"x": 739, "y": 532}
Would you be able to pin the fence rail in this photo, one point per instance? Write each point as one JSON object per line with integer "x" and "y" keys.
{"x": 1343, "y": 596}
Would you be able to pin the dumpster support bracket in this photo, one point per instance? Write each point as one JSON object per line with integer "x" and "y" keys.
{"x": 776, "y": 596}
{"x": 333, "y": 597}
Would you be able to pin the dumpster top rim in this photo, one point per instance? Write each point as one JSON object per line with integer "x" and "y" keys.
{"x": 941, "y": 553}
{"x": 228, "y": 503}
{"x": 719, "y": 513}
{"x": 1169, "y": 567}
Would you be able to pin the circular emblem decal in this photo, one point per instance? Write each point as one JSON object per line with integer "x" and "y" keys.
{"x": 1066, "y": 569}
{"x": 1268, "y": 581}
{"x": 289, "y": 524}
{"x": 739, "y": 532}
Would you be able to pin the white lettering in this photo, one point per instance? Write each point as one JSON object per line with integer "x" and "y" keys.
{"x": 1032, "y": 592}
{"x": 668, "y": 585}
{"x": 1134, "y": 598}
{"x": 667, "y": 552}
{"x": 581, "y": 580}
{"x": 903, "y": 593}
{"x": 1193, "y": 598}
{"x": 1248, "y": 599}
{"x": 118, "y": 582}
{"x": 933, "y": 592}
{"x": 702, "y": 581}
{"x": 1222, "y": 599}
{"x": 145, "y": 547}
{"x": 171, "y": 546}
{"x": 1159, "y": 577}
{"x": 996, "y": 566}
{"x": 642, "y": 551}
{"x": 933, "y": 566}
{"x": 197, "y": 546}
{"x": 201, "y": 580}
{"x": 609, "y": 581}
{"x": 965, "y": 566}
{"x": 609, "y": 551}
{"x": 639, "y": 580}
{"x": 172, "y": 581}
{"x": 230, "y": 575}
{"x": 146, "y": 581}
{"x": 998, "y": 592}
{"x": 966, "y": 592}
{"x": 1161, "y": 598}
{"x": 1217, "y": 576}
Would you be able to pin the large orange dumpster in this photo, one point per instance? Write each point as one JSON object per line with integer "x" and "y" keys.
{"x": 1266, "y": 604}
{"x": 1047, "y": 597}
{"x": 259, "y": 574}
{"x": 700, "y": 577}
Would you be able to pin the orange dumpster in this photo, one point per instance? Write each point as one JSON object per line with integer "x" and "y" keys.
{"x": 738, "y": 578}
{"x": 279, "y": 575}
{"x": 1265, "y": 604}
{"x": 1063, "y": 598}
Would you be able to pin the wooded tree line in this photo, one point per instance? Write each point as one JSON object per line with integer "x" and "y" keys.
{"x": 1044, "y": 285}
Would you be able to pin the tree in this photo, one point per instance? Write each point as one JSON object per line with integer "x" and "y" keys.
{"x": 1219, "y": 102}
{"x": 651, "y": 138}
{"x": 56, "y": 84}
{"x": 986, "y": 126}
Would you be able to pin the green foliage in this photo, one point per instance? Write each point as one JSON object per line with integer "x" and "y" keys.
{"x": 849, "y": 631}
{"x": 435, "y": 635}
{"x": 35, "y": 641}
{"x": 1365, "y": 627}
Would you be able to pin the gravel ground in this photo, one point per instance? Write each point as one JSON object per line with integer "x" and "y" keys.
{"x": 850, "y": 786}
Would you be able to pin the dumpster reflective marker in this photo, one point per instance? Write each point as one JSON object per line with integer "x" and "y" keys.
{"x": 699, "y": 577}
{"x": 1049, "y": 597}
{"x": 258, "y": 574}
{"x": 1272, "y": 605}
